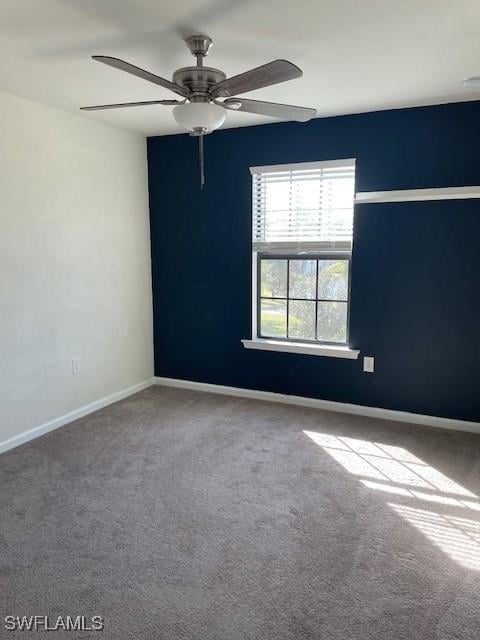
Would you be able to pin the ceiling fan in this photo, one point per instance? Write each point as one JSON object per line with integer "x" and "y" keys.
{"x": 201, "y": 112}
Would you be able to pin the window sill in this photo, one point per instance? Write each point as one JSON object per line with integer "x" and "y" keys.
{"x": 330, "y": 351}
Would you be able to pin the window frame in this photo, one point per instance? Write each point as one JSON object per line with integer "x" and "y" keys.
{"x": 296, "y": 250}
{"x": 257, "y": 296}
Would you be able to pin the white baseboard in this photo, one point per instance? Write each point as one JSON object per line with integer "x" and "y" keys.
{"x": 73, "y": 415}
{"x": 326, "y": 405}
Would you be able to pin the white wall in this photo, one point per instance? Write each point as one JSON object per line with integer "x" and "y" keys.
{"x": 74, "y": 263}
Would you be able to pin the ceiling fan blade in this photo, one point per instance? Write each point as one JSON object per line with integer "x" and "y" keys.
{"x": 273, "y": 109}
{"x": 264, "y": 76}
{"x": 121, "y": 105}
{"x": 116, "y": 63}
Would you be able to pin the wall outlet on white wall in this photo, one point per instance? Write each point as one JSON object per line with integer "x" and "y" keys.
{"x": 369, "y": 364}
{"x": 75, "y": 366}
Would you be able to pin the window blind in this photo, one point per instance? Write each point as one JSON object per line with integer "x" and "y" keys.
{"x": 303, "y": 207}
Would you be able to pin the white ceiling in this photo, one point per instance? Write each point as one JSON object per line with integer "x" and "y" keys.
{"x": 357, "y": 55}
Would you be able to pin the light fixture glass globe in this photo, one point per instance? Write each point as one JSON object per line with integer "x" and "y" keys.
{"x": 199, "y": 115}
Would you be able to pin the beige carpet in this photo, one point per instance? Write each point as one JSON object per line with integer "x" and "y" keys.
{"x": 177, "y": 514}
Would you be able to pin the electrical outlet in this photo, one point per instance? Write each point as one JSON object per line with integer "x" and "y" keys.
{"x": 75, "y": 366}
{"x": 369, "y": 364}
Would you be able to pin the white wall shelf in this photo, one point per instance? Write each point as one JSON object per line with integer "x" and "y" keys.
{"x": 415, "y": 195}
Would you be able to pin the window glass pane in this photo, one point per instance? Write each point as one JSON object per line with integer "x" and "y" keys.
{"x": 333, "y": 279}
{"x": 303, "y": 277}
{"x": 274, "y": 278}
{"x": 301, "y": 319}
{"x": 273, "y": 318}
{"x": 332, "y": 321}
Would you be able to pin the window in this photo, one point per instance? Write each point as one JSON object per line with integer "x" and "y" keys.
{"x": 303, "y": 297}
{"x": 302, "y": 243}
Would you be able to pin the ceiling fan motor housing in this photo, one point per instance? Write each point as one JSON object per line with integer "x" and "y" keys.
{"x": 198, "y": 80}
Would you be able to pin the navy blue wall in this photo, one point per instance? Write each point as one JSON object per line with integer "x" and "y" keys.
{"x": 416, "y": 267}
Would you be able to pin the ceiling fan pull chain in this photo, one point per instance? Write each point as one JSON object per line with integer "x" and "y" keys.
{"x": 201, "y": 160}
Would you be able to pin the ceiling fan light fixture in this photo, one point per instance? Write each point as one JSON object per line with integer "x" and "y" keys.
{"x": 195, "y": 116}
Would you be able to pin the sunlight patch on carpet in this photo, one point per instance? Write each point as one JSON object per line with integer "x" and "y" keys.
{"x": 396, "y": 471}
